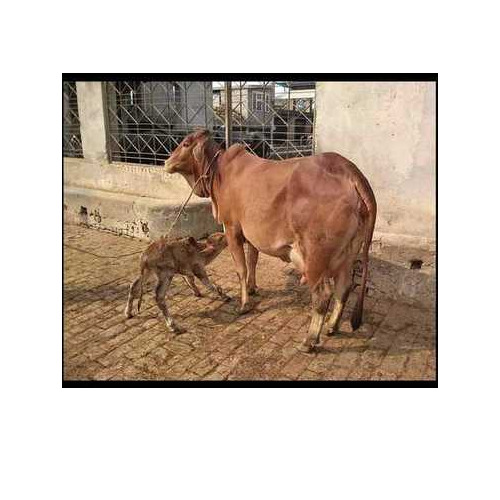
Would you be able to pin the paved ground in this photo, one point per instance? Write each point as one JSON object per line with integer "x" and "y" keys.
{"x": 396, "y": 342}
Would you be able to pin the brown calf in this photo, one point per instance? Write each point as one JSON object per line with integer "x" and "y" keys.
{"x": 184, "y": 256}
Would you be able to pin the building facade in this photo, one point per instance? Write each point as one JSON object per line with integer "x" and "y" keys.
{"x": 117, "y": 135}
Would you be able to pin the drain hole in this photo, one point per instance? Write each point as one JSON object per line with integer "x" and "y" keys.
{"x": 416, "y": 264}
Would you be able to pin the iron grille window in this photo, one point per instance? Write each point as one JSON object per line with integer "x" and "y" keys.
{"x": 147, "y": 120}
{"x": 72, "y": 140}
{"x": 267, "y": 118}
{"x": 259, "y": 99}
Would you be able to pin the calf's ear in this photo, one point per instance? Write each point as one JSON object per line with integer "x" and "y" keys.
{"x": 191, "y": 241}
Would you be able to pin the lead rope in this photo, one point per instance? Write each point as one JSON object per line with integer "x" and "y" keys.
{"x": 203, "y": 176}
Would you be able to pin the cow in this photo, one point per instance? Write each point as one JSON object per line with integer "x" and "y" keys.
{"x": 184, "y": 256}
{"x": 315, "y": 211}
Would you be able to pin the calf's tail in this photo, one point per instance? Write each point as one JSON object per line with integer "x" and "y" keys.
{"x": 366, "y": 194}
{"x": 141, "y": 286}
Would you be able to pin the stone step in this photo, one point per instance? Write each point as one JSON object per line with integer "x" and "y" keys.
{"x": 138, "y": 216}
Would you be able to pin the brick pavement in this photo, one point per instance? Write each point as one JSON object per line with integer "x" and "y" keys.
{"x": 396, "y": 341}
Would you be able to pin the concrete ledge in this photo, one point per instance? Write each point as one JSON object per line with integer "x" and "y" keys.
{"x": 142, "y": 217}
{"x": 126, "y": 178}
{"x": 381, "y": 239}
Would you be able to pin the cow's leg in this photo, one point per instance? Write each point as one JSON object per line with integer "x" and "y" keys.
{"x": 164, "y": 280}
{"x": 132, "y": 294}
{"x": 320, "y": 301}
{"x": 201, "y": 274}
{"x": 252, "y": 257}
{"x": 315, "y": 268}
{"x": 341, "y": 292}
{"x": 343, "y": 285}
{"x": 235, "y": 245}
{"x": 190, "y": 282}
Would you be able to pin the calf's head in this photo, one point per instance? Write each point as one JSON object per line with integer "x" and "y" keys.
{"x": 215, "y": 243}
{"x": 217, "y": 240}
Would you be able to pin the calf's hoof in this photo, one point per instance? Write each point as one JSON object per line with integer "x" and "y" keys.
{"x": 174, "y": 328}
{"x": 253, "y": 291}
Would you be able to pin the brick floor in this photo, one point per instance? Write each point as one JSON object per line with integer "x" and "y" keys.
{"x": 396, "y": 341}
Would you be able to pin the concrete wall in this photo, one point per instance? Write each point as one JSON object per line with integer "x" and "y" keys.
{"x": 388, "y": 129}
{"x": 129, "y": 199}
{"x": 133, "y": 200}
{"x": 92, "y": 113}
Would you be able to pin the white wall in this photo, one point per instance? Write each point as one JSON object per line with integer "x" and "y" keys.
{"x": 388, "y": 129}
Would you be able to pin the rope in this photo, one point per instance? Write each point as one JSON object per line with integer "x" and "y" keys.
{"x": 203, "y": 176}
{"x": 184, "y": 205}
{"x": 102, "y": 256}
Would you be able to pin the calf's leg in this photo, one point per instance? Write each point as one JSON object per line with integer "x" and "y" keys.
{"x": 201, "y": 274}
{"x": 132, "y": 294}
{"x": 190, "y": 282}
{"x": 164, "y": 280}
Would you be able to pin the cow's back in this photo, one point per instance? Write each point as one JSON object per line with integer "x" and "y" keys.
{"x": 277, "y": 202}
{"x": 322, "y": 199}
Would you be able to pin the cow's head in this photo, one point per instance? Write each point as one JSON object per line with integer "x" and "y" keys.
{"x": 192, "y": 157}
{"x": 189, "y": 154}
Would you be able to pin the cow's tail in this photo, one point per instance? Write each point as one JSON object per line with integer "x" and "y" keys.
{"x": 366, "y": 194}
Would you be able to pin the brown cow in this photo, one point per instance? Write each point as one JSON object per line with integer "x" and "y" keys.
{"x": 314, "y": 211}
{"x": 184, "y": 256}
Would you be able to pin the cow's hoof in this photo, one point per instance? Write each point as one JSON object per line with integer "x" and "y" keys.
{"x": 331, "y": 332}
{"x": 128, "y": 314}
{"x": 307, "y": 347}
{"x": 245, "y": 308}
{"x": 253, "y": 291}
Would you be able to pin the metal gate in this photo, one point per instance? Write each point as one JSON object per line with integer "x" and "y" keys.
{"x": 147, "y": 120}
{"x": 72, "y": 141}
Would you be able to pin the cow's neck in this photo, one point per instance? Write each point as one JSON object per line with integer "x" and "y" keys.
{"x": 224, "y": 163}
{"x": 202, "y": 172}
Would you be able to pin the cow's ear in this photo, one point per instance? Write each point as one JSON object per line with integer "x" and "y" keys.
{"x": 198, "y": 151}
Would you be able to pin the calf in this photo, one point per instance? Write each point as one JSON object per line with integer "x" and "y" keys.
{"x": 184, "y": 256}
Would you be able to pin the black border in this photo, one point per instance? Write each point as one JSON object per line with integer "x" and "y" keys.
{"x": 327, "y": 77}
